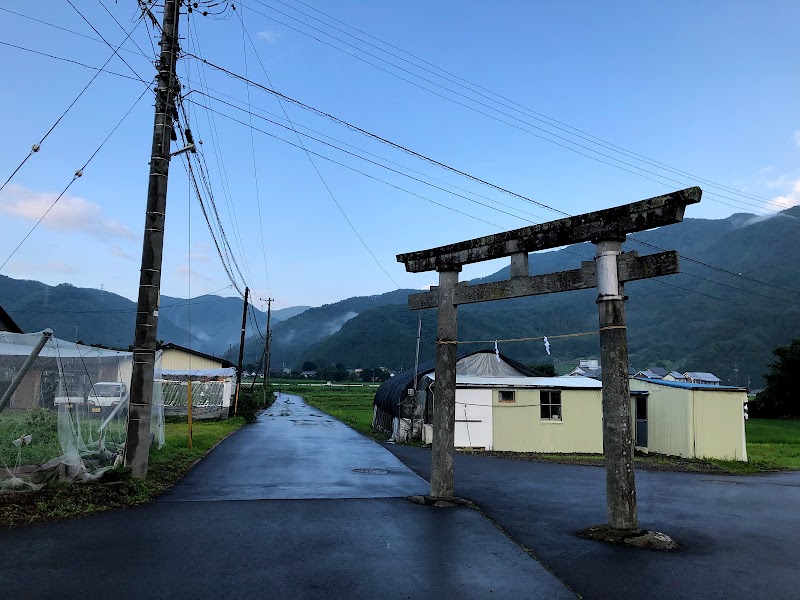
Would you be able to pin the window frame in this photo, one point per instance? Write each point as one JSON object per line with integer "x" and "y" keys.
{"x": 512, "y": 400}
{"x": 550, "y": 396}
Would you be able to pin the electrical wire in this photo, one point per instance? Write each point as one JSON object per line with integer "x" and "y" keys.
{"x": 72, "y": 31}
{"x": 313, "y": 164}
{"x": 255, "y": 163}
{"x": 527, "y": 112}
{"x": 35, "y": 148}
{"x": 215, "y": 145}
{"x": 78, "y": 173}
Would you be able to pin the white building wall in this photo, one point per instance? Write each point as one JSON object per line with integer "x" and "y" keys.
{"x": 473, "y": 418}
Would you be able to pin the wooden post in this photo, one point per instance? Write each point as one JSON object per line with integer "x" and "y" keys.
{"x": 445, "y": 388}
{"x": 189, "y": 409}
{"x": 617, "y": 425}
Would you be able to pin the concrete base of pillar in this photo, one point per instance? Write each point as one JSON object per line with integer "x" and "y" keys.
{"x": 640, "y": 538}
{"x": 440, "y": 502}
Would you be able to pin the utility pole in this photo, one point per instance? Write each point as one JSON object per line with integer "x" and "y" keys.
{"x": 137, "y": 446}
{"x": 263, "y": 358}
{"x": 235, "y": 406}
{"x": 269, "y": 360}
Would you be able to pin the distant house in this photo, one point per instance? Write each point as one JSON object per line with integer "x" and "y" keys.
{"x": 7, "y": 323}
{"x": 651, "y": 373}
{"x": 587, "y": 368}
{"x": 700, "y": 377}
{"x": 674, "y": 376}
{"x": 309, "y": 374}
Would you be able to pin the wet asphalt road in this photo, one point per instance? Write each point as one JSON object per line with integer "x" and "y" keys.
{"x": 740, "y": 535}
{"x": 243, "y": 524}
{"x": 297, "y": 452}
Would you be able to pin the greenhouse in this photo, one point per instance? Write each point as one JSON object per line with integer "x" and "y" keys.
{"x": 64, "y": 410}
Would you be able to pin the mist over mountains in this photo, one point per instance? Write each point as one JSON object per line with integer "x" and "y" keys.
{"x": 702, "y": 319}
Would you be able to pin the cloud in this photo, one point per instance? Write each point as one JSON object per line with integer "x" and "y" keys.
{"x": 766, "y": 170}
{"x": 72, "y": 213}
{"x": 183, "y": 272}
{"x": 120, "y": 253}
{"x": 270, "y": 36}
{"x": 26, "y": 267}
{"x": 786, "y": 201}
{"x": 200, "y": 253}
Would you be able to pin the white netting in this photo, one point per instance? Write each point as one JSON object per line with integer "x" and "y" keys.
{"x": 66, "y": 419}
{"x": 208, "y": 398}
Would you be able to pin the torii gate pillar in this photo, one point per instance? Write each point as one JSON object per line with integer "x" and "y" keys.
{"x": 444, "y": 408}
{"x": 617, "y": 434}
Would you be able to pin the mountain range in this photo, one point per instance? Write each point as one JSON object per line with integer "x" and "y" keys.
{"x": 704, "y": 319}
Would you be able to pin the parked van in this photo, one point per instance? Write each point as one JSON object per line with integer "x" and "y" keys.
{"x": 105, "y": 395}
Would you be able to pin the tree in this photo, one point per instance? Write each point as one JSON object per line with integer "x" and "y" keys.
{"x": 543, "y": 370}
{"x": 309, "y": 366}
{"x": 779, "y": 400}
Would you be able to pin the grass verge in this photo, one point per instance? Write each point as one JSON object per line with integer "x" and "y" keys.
{"x": 167, "y": 466}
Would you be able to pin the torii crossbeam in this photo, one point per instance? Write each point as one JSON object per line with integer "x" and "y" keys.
{"x": 610, "y": 270}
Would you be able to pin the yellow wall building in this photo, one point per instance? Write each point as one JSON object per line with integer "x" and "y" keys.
{"x": 691, "y": 420}
{"x": 564, "y": 415}
{"x": 178, "y": 358}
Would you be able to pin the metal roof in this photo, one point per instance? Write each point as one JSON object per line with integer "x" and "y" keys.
{"x": 579, "y": 383}
{"x": 696, "y": 386}
{"x": 701, "y": 375}
{"x": 229, "y": 372}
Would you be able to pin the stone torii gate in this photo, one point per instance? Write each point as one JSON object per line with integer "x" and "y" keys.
{"x": 610, "y": 270}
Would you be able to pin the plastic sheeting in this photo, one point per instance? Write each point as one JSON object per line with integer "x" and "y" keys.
{"x": 208, "y": 398}
{"x": 392, "y": 400}
{"x": 67, "y": 419}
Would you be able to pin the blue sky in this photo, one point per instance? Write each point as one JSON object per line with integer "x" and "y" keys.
{"x": 709, "y": 88}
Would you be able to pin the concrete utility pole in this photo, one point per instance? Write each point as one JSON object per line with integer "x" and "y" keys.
{"x": 235, "y": 406}
{"x": 137, "y": 446}
{"x": 617, "y": 423}
{"x": 444, "y": 389}
{"x": 263, "y": 359}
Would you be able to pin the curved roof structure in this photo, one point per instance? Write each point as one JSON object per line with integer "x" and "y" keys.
{"x": 483, "y": 363}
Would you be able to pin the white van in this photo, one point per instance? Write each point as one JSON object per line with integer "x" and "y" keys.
{"x": 106, "y": 394}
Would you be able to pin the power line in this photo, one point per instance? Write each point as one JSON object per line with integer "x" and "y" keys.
{"x": 216, "y": 147}
{"x": 255, "y": 164}
{"x": 72, "y": 31}
{"x": 351, "y": 168}
{"x": 506, "y": 102}
{"x": 440, "y": 164}
{"x": 386, "y": 160}
{"x": 35, "y": 148}
{"x": 313, "y": 164}
{"x": 355, "y": 155}
{"x": 89, "y": 23}
{"x": 78, "y": 173}
{"x": 72, "y": 61}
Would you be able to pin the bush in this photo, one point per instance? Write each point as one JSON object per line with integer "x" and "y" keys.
{"x": 248, "y": 404}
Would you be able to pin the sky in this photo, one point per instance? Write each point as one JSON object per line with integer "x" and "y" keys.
{"x": 704, "y": 92}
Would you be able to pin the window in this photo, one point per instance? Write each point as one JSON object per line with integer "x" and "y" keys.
{"x": 507, "y": 396}
{"x": 550, "y": 405}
